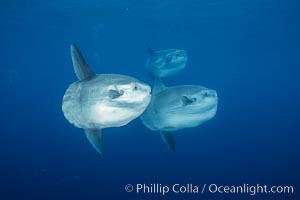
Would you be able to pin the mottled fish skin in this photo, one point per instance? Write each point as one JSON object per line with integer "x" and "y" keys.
{"x": 166, "y": 63}
{"x": 94, "y": 103}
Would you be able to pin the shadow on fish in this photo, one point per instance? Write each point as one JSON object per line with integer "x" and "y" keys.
{"x": 98, "y": 101}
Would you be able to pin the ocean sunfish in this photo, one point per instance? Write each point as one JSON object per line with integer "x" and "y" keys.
{"x": 165, "y": 63}
{"x": 98, "y": 101}
{"x": 179, "y": 107}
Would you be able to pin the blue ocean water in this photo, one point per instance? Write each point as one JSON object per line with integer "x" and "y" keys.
{"x": 247, "y": 50}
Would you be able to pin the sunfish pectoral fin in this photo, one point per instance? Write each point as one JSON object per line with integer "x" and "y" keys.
{"x": 168, "y": 139}
{"x": 113, "y": 94}
{"x": 95, "y": 138}
{"x": 150, "y": 50}
{"x": 82, "y": 69}
{"x": 186, "y": 100}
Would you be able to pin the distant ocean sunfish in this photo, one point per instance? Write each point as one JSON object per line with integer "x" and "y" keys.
{"x": 165, "y": 63}
{"x": 102, "y": 101}
{"x": 179, "y": 107}
{"x": 13, "y": 76}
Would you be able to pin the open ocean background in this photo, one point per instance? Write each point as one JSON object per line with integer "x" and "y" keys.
{"x": 246, "y": 50}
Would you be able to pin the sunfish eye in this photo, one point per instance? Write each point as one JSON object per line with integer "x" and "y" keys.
{"x": 187, "y": 101}
{"x": 113, "y": 94}
{"x": 135, "y": 88}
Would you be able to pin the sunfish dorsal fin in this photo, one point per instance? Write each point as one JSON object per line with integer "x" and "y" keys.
{"x": 168, "y": 139}
{"x": 158, "y": 86}
{"x": 150, "y": 50}
{"x": 95, "y": 138}
{"x": 81, "y": 68}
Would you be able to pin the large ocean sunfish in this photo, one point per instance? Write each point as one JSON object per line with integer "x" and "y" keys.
{"x": 98, "y": 101}
{"x": 179, "y": 107}
{"x": 165, "y": 63}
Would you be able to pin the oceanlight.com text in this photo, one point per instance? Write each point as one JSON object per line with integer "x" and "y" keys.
{"x": 190, "y": 188}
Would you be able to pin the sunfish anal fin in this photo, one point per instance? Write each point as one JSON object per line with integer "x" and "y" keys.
{"x": 168, "y": 139}
{"x": 81, "y": 68}
{"x": 95, "y": 138}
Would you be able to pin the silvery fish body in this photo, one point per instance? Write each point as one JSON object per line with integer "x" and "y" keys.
{"x": 101, "y": 101}
{"x": 179, "y": 107}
